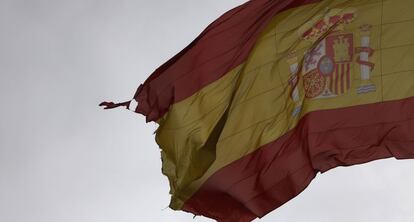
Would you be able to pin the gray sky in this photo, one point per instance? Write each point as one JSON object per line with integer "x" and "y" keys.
{"x": 63, "y": 159}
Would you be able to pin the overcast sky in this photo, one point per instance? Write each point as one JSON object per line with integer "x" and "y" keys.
{"x": 63, "y": 159}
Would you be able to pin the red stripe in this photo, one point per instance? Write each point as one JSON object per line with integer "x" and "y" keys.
{"x": 348, "y": 76}
{"x": 336, "y": 78}
{"x": 342, "y": 78}
{"x": 331, "y": 82}
{"x": 223, "y": 46}
{"x": 264, "y": 180}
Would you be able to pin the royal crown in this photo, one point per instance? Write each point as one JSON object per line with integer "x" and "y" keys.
{"x": 334, "y": 20}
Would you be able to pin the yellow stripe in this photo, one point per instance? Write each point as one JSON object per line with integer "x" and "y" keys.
{"x": 184, "y": 132}
{"x": 256, "y": 95}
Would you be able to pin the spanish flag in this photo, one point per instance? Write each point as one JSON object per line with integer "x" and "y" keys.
{"x": 276, "y": 91}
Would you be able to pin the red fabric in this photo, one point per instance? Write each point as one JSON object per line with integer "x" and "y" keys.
{"x": 224, "y": 45}
{"x": 267, "y": 178}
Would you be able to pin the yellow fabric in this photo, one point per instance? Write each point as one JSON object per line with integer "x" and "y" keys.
{"x": 255, "y": 103}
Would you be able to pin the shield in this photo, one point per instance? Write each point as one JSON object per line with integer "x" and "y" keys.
{"x": 331, "y": 59}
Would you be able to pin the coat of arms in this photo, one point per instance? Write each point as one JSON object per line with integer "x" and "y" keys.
{"x": 327, "y": 67}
